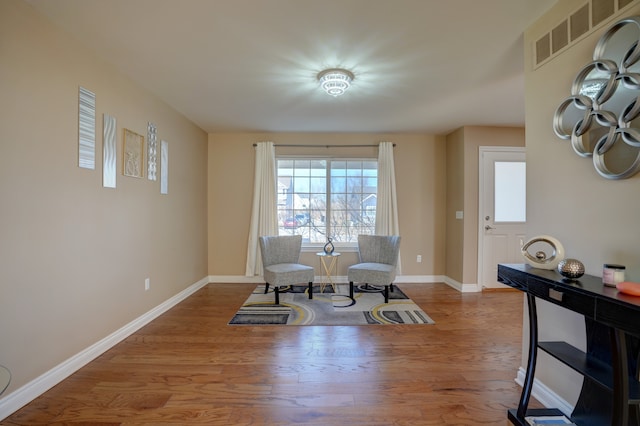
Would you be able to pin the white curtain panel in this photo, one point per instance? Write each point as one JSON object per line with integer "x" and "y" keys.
{"x": 264, "y": 212}
{"x": 387, "y": 204}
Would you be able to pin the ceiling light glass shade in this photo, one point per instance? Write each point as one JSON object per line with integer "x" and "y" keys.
{"x": 335, "y": 81}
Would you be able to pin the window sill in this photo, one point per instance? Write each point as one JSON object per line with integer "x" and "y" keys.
{"x": 319, "y": 248}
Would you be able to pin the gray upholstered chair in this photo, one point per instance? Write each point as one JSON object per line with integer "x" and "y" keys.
{"x": 378, "y": 261}
{"x": 280, "y": 267}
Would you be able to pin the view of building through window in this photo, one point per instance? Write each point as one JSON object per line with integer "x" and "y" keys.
{"x": 320, "y": 198}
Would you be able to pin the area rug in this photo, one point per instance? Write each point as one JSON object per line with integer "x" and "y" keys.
{"x": 329, "y": 307}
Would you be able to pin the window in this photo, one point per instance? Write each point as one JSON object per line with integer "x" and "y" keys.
{"x": 510, "y": 189}
{"x": 320, "y": 198}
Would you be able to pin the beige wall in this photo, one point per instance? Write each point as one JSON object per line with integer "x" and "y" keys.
{"x": 462, "y": 194}
{"x": 420, "y": 181}
{"x": 74, "y": 255}
{"x": 595, "y": 218}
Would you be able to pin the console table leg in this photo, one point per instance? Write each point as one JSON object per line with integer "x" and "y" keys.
{"x": 620, "y": 415}
{"x": 533, "y": 356}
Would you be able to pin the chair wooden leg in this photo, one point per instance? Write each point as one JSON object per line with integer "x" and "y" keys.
{"x": 277, "y": 291}
{"x": 310, "y": 290}
{"x": 266, "y": 288}
{"x": 351, "y": 289}
{"x": 391, "y": 287}
{"x": 386, "y": 294}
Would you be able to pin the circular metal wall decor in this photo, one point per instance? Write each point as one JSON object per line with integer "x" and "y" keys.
{"x": 541, "y": 259}
{"x": 602, "y": 115}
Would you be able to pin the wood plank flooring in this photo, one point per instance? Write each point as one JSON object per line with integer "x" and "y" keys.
{"x": 189, "y": 367}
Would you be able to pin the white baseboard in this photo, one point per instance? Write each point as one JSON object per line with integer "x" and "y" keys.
{"x": 30, "y": 391}
{"x": 233, "y": 279}
{"x": 463, "y": 288}
{"x": 545, "y": 395}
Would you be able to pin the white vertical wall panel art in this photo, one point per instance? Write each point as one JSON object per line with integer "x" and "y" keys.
{"x": 86, "y": 129}
{"x": 152, "y": 151}
{"x": 164, "y": 167}
{"x": 109, "y": 152}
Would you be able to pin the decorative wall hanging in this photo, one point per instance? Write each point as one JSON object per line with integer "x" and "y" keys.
{"x": 86, "y": 129}
{"x": 152, "y": 151}
{"x": 109, "y": 151}
{"x": 133, "y": 154}
{"x": 541, "y": 259}
{"x": 602, "y": 115}
{"x": 164, "y": 167}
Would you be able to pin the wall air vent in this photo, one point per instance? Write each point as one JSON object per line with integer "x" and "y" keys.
{"x": 579, "y": 22}
{"x": 543, "y": 48}
{"x": 559, "y": 37}
{"x": 593, "y": 14}
{"x": 601, "y": 10}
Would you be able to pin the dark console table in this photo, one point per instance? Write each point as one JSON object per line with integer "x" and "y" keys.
{"x": 610, "y": 393}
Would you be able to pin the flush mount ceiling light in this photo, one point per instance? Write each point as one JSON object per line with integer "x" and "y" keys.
{"x": 335, "y": 81}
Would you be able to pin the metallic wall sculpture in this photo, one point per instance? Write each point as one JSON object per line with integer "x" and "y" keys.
{"x": 109, "y": 151}
{"x": 602, "y": 115}
{"x": 152, "y": 151}
{"x": 164, "y": 167}
{"x": 133, "y": 154}
{"x": 86, "y": 129}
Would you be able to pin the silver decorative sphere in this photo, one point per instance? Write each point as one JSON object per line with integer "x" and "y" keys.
{"x": 571, "y": 268}
{"x": 540, "y": 255}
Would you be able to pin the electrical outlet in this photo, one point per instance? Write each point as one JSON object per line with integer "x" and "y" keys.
{"x": 147, "y": 284}
{"x": 419, "y": 258}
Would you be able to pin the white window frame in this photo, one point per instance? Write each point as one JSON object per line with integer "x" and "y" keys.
{"x": 339, "y": 246}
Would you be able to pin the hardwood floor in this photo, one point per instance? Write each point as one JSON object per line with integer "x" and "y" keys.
{"x": 189, "y": 367}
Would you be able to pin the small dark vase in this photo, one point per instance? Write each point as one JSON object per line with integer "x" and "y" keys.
{"x": 328, "y": 248}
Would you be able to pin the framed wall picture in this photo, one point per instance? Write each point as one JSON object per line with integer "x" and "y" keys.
{"x": 109, "y": 151}
{"x": 164, "y": 167}
{"x": 133, "y": 151}
{"x": 87, "y": 129}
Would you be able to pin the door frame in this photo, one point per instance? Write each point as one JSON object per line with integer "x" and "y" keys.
{"x": 481, "y": 207}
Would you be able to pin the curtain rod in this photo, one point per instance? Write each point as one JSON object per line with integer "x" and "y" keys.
{"x": 325, "y": 146}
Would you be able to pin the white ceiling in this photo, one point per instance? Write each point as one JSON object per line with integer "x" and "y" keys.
{"x": 250, "y": 65}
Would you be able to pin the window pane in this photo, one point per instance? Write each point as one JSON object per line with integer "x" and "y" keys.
{"x": 510, "y": 192}
{"x": 300, "y": 185}
{"x": 302, "y": 167}
{"x": 370, "y": 168}
{"x": 338, "y": 184}
{"x": 338, "y": 168}
{"x": 318, "y": 185}
{"x": 354, "y": 184}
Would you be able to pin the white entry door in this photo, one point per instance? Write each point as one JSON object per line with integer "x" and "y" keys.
{"x": 502, "y": 210}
